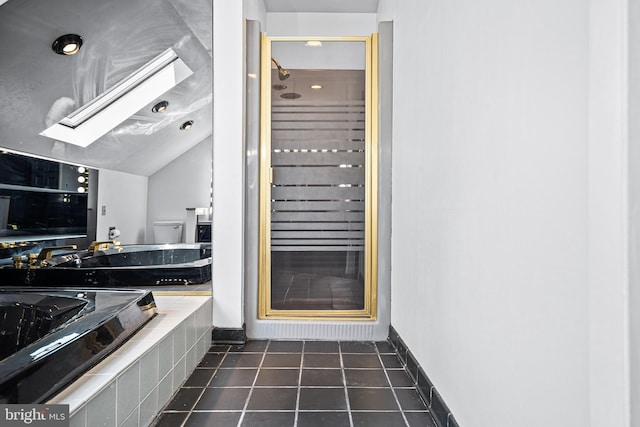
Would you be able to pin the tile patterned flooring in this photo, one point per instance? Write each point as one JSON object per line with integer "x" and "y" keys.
{"x": 298, "y": 383}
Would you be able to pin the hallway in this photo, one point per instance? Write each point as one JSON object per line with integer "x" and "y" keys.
{"x": 298, "y": 383}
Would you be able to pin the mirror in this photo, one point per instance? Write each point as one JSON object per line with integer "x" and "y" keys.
{"x": 40, "y": 87}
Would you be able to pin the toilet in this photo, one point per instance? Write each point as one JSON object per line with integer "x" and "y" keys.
{"x": 167, "y": 231}
{"x": 4, "y": 211}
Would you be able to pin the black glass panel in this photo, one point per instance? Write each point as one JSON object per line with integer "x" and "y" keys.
{"x": 37, "y": 213}
{"x": 40, "y": 198}
{"x": 28, "y": 171}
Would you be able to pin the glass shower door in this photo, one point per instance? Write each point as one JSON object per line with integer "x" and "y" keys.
{"x": 318, "y": 187}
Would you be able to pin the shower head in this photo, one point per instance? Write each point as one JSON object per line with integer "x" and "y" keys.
{"x": 283, "y": 74}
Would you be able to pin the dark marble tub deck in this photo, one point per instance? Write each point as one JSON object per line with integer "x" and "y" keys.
{"x": 298, "y": 383}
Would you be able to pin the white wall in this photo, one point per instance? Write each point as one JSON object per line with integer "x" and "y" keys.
{"x": 254, "y": 10}
{"x": 608, "y": 227}
{"x": 183, "y": 183}
{"x": 228, "y": 169}
{"x": 320, "y": 24}
{"x": 634, "y": 207}
{"x": 490, "y": 223}
{"x": 125, "y": 198}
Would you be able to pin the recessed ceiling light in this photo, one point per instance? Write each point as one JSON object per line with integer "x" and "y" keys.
{"x": 186, "y": 125}
{"x": 279, "y": 87}
{"x": 316, "y": 86}
{"x": 67, "y": 44}
{"x": 313, "y": 43}
{"x": 160, "y": 107}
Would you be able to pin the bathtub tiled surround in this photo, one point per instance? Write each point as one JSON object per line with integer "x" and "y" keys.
{"x": 438, "y": 409}
{"x": 135, "y": 382}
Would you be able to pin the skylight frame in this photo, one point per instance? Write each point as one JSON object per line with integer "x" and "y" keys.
{"x": 94, "y": 119}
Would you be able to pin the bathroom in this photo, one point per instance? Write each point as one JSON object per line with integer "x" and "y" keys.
{"x": 152, "y": 168}
{"x": 515, "y": 292}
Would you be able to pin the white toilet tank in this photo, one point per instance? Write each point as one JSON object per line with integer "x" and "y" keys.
{"x": 167, "y": 231}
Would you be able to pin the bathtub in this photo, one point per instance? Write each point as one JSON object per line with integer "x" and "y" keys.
{"x": 175, "y": 265}
{"x": 49, "y": 337}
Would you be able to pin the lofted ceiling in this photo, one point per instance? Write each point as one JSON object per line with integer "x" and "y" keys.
{"x": 39, "y": 87}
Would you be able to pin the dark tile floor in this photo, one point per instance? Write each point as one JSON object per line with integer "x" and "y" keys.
{"x": 298, "y": 383}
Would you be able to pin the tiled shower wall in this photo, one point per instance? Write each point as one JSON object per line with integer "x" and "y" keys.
{"x": 137, "y": 380}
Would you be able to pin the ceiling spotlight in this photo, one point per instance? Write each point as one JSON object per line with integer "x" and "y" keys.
{"x": 186, "y": 125}
{"x": 160, "y": 107}
{"x": 316, "y": 86}
{"x": 67, "y": 44}
{"x": 279, "y": 87}
{"x": 313, "y": 43}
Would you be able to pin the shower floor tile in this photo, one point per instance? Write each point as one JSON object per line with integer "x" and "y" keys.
{"x": 298, "y": 384}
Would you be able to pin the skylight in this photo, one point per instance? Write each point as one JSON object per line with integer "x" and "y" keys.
{"x": 91, "y": 121}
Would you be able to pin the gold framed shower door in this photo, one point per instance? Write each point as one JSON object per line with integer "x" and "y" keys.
{"x": 318, "y": 201}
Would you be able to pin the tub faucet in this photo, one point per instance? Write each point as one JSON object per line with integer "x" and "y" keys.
{"x": 96, "y": 246}
{"x": 45, "y": 253}
{"x": 17, "y": 261}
